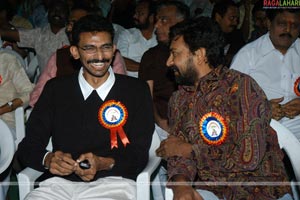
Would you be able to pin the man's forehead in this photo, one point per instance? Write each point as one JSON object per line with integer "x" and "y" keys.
{"x": 232, "y": 10}
{"x": 177, "y": 42}
{"x": 288, "y": 15}
{"x": 99, "y": 35}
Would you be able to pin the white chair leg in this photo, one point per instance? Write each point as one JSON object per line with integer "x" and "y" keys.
{"x": 159, "y": 184}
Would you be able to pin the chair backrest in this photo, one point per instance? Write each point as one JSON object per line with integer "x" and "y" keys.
{"x": 7, "y": 146}
{"x": 288, "y": 141}
{"x": 144, "y": 178}
{"x": 33, "y": 70}
{"x": 154, "y": 144}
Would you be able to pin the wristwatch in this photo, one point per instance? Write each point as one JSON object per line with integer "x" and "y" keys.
{"x": 111, "y": 166}
{"x": 10, "y": 103}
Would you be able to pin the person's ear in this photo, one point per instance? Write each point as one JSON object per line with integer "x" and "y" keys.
{"x": 74, "y": 51}
{"x": 201, "y": 56}
{"x": 114, "y": 48}
{"x": 218, "y": 18}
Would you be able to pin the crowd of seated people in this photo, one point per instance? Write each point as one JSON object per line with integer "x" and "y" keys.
{"x": 261, "y": 43}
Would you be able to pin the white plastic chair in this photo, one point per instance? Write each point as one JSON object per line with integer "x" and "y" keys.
{"x": 287, "y": 141}
{"x": 33, "y": 70}
{"x": 21, "y": 117}
{"x": 291, "y": 145}
{"x": 27, "y": 177}
{"x": 20, "y": 125}
{"x": 7, "y": 150}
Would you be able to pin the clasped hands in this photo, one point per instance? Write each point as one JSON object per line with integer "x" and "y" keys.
{"x": 63, "y": 164}
{"x": 174, "y": 146}
{"x": 291, "y": 109}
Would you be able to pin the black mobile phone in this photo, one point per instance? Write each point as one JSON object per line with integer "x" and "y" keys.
{"x": 84, "y": 164}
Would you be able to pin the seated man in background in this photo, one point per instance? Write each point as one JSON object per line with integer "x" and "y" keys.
{"x": 100, "y": 124}
{"x": 44, "y": 40}
{"x": 62, "y": 63}
{"x": 226, "y": 13}
{"x": 219, "y": 124}
{"x": 260, "y": 21}
{"x": 153, "y": 67}
{"x": 133, "y": 42}
{"x": 15, "y": 88}
{"x": 273, "y": 60}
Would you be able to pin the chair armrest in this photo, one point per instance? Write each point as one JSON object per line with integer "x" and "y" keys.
{"x": 168, "y": 194}
{"x": 26, "y": 179}
{"x": 20, "y": 125}
{"x": 143, "y": 180}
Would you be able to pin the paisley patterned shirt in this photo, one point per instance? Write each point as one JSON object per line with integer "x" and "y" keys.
{"x": 249, "y": 159}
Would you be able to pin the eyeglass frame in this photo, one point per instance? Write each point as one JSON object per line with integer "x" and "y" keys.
{"x": 91, "y": 49}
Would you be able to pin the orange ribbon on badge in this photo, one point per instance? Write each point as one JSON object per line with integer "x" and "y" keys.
{"x": 113, "y": 115}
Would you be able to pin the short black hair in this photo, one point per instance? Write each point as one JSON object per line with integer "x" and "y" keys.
{"x": 91, "y": 23}
{"x": 202, "y": 32}
{"x": 272, "y": 13}
{"x": 222, "y": 7}
{"x": 151, "y": 6}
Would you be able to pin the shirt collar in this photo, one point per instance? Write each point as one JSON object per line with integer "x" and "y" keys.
{"x": 102, "y": 90}
{"x": 268, "y": 46}
{"x": 209, "y": 81}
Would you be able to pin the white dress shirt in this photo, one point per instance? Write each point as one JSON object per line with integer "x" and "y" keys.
{"x": 102, "y": 91}
{"x": 44, "y": 41}
{"x": 133, "y": 45}
{"x": 274, "y": 72}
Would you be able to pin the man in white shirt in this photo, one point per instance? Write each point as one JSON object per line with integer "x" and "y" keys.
{"x": 273, "y": 60}
{"x": 133, "y": 42}
{"x": 44, "y": 40}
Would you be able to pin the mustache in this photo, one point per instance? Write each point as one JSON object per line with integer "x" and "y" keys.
{"x": 286, "y": 35}
{"x": 174, "y": 68}
{"x": 104, "y": 60}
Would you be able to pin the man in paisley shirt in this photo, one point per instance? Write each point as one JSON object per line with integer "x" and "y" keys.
{"x": 221, "y": 145}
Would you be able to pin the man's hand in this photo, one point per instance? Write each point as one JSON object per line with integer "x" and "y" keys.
{"x": 277, "y": 111}
{"x": 292, "y": 108}
{"x": 97, "y": 164}
{"x": 60, "y": 163}
{"x": 174, "y": 146}
{"x": 87, "y": 174}
{"x": 182, "y": 190}
{"x": 185, "y": 192}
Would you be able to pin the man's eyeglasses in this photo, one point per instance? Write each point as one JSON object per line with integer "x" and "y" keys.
{"x": 91, "y": 49}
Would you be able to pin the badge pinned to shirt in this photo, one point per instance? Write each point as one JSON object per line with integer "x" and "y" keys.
{"x": 213, "y": 128}
{"x": 297, "y": 87}
{"x": 113, "y": 115}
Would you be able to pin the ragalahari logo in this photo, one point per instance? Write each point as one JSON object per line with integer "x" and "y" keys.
{"x": 282, "y": 4}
